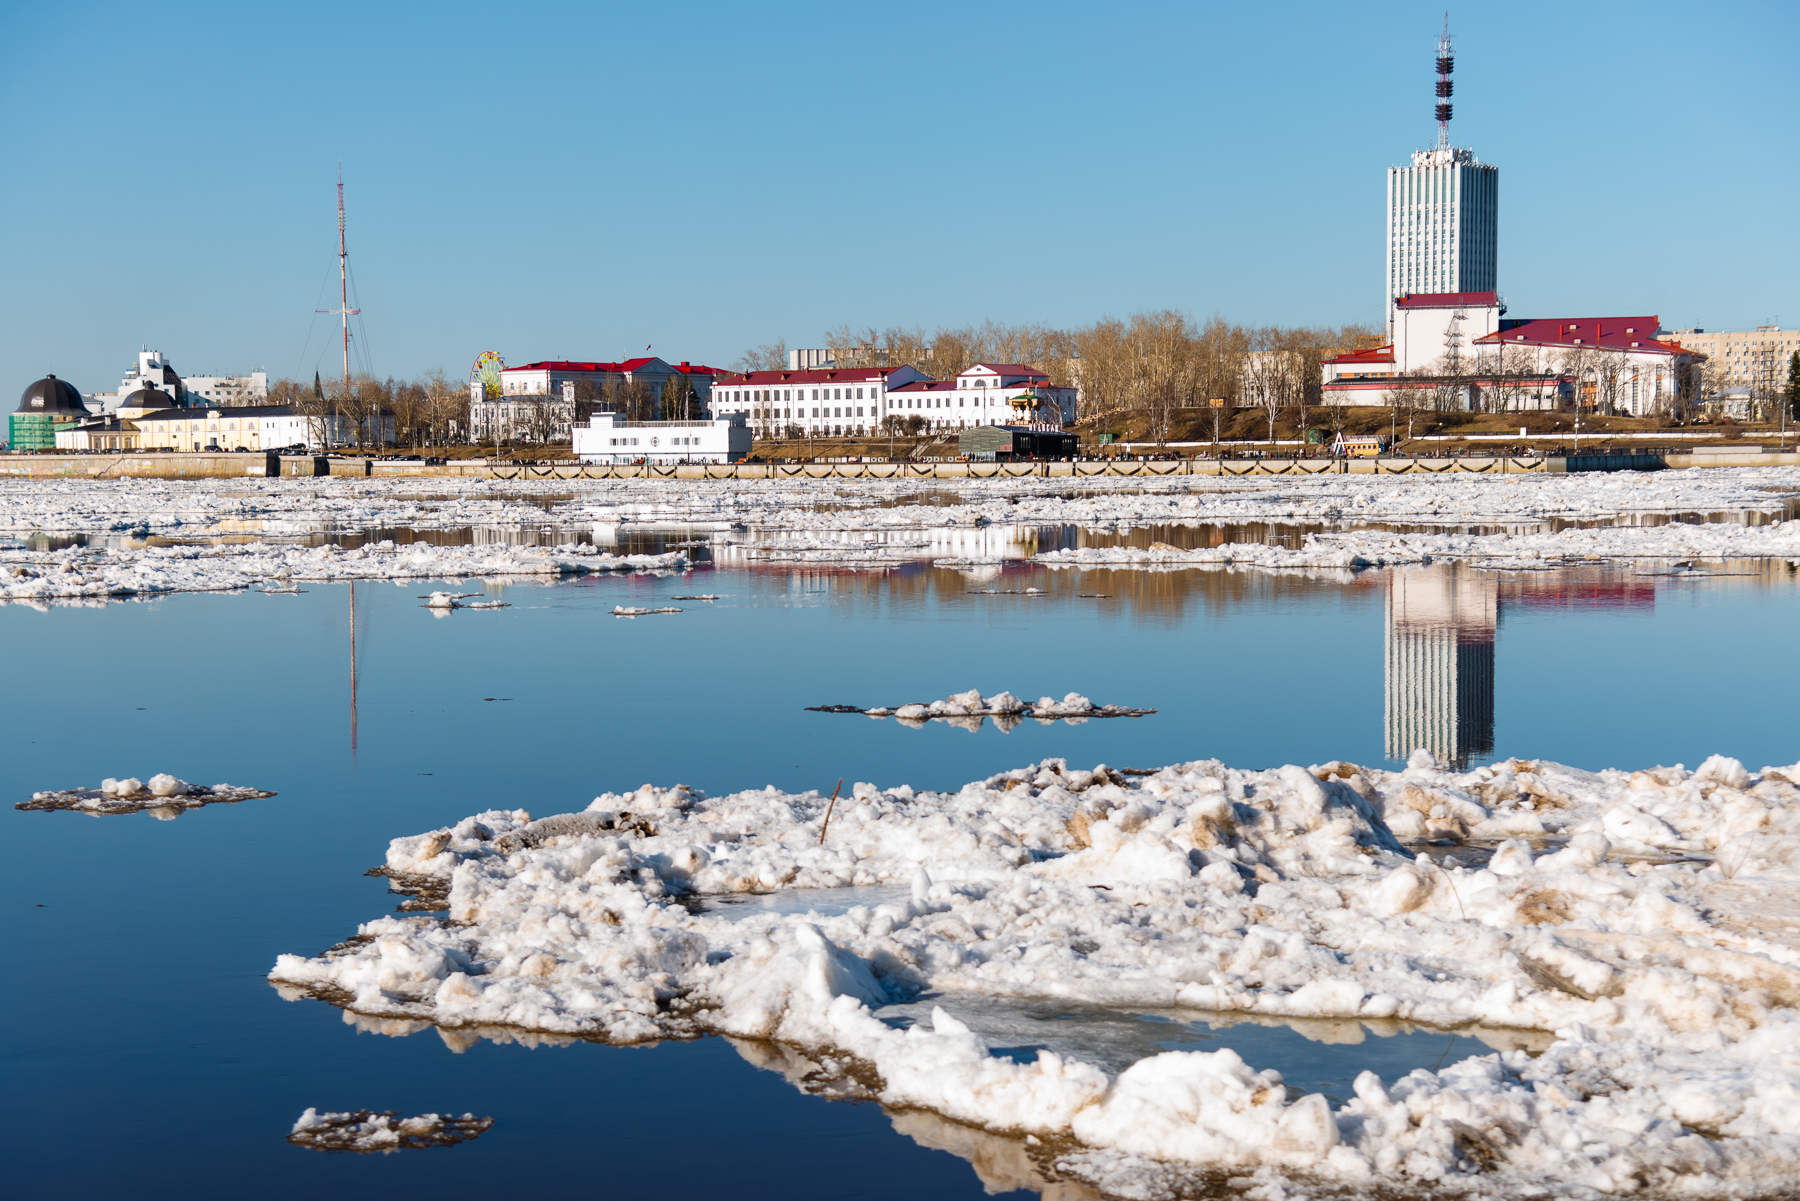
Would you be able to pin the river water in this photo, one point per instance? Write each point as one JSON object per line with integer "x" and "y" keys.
{"x": 147, "y": 1055}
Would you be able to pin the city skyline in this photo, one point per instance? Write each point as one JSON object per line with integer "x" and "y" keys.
{"x": 695, "y": 192}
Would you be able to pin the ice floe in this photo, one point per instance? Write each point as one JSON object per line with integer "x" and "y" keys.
{"x": 632, "y": 611}
{"x": 164, "y": 796}
{"x": 1645, "y": 923}
{"x": 969, "y": 708}
{"x": 364, "y": 1130}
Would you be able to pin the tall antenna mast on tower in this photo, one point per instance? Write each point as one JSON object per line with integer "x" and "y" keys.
{"x": 1446, "y": 63}
{"x": 344, "y": 310}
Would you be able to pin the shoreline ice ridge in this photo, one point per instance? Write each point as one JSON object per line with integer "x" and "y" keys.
{"x": 287, "y": 507}
{"x": 83, "y": 572}
{"x": 1607, "y": 917}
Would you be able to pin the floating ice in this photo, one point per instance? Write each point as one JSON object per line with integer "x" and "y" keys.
{"x": 629, "y": 611}
{"x": 969, "y": 708}
{"x": 165, "y": 797}
{"x": 365, "y": 1130}
{"x": 1670, "y": 1066}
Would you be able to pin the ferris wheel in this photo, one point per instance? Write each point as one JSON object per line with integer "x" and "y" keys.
{"x": 487, "y": 370}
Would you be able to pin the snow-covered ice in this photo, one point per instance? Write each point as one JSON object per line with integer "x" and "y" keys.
{"x": 364, "y": 1130}
{"x": 164, "y": 796}
{"x": 99, "y": 572}
{"x": 1007, "y": 710}
{"x": 871, "y": 523}
{"x": 1644, "y": 923}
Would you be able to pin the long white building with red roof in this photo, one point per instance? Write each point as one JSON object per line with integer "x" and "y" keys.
{"x": 832, "y": 402}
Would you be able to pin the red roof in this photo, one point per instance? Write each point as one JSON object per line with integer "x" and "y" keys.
{"x": 569, "y": 365}
{"x": 847, "y": 375}
{"x": 1381, "y": 354}
{"x": 927, "y": 385}
{"x": 1011, "y": 369}
{"x": 1613, "y": 333}
{"x": 700, "y": 369}
{"x": 1445, "y": 300}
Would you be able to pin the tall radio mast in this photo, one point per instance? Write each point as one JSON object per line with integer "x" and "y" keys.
{"x": 1446, "y": 63}
{"x": 344, "y": 310}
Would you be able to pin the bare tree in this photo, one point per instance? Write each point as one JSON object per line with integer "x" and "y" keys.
{"x": 448, "y": 405}
{"x": 1410, "y": 394}
{"x": 770, "y": 356}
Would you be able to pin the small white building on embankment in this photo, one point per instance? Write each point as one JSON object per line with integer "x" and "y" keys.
{"x": 607, "y": 438}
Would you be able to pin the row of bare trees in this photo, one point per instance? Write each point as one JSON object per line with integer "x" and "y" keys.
{"x": 428, "y": 411}
{"x": 1156, "y": 362}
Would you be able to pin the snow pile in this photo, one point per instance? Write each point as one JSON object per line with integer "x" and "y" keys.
{"x": 1281, "y": 893}
{"x": 165, "y": 796}
{"x": 92, "y": 572}
{"x": 365, "y": 1130}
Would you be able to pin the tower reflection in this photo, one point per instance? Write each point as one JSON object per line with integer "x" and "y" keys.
{"x": 1439, "y": 662}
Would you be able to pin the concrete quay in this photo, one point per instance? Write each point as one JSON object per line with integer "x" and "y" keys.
{"x": 236, "y": 465}
{"x": 1486, "y": 465}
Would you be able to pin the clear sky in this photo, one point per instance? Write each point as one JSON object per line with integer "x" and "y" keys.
{"x": 581, "y": 180}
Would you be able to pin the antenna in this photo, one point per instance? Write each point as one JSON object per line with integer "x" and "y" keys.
{"x": 1446, "y": 63}
{"x": 344, "y": 310}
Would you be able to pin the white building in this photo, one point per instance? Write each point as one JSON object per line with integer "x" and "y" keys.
{"x": 251, "y": 427}
{"x": 853, "y": 401}
{"x": 1613, "y": 365}
{"x": 539, "y": 401}
{"x": 1442, "y": 225}
{"x": 608, "y": 438}
{"x": 1442, "y": 211}
{"x": 818, "y": 403}
{"x": 213, "y": 428}
{"x": 252, "y": 389}
{"x": 986, "y": 394}
{"x": 150, "y": 371}
{"x": 1461, "y": 345}
{"x": 1757, "y": 358}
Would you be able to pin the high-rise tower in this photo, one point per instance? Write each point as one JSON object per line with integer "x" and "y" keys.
{"x": 1442, "y": 212}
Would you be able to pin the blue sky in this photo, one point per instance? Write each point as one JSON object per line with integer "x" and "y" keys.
{"x": 581, "y": 180}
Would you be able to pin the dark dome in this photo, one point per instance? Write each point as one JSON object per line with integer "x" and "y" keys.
{"x": 147, "y": 398}
{"x": 52, "y": 396}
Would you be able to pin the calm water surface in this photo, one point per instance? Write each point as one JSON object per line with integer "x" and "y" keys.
{"x": 146, "y": 1055}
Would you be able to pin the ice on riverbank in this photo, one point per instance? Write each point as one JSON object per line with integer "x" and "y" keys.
{"x": 813, "y": 509}
{"x": 364, "y": 1131}
{"x": 1612, "y": 916}
{"x": 165, "y": 796}
{"x": 79, "y": 572}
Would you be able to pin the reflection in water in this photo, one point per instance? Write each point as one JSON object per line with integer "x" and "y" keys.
{"x": 1439, "y": 651}
{"x": 1313, "y": 1056}
{"x": 1438, "y": 662}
